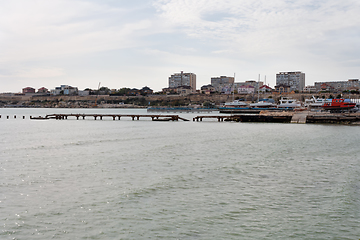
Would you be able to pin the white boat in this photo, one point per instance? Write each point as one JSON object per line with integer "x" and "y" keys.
{"x": 316, "y": 102}
{"x": 235, "y": 104}
{"x": 286, "y": 102}
{"x": 262, "y": 104}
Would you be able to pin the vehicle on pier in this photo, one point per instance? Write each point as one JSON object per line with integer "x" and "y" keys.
{"x": 338, "y": 105}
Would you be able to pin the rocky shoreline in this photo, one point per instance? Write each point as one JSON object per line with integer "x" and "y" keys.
{"x": 106, "y": 101}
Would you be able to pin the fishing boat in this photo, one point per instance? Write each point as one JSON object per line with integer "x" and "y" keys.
{"x": 286, "y": 102}
{"x": 338, "y": 104}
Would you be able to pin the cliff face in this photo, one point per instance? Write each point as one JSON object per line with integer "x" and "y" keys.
{"x": 140, "y": 101}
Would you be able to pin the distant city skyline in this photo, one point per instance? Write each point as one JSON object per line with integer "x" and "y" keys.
{"x": 141, "y": 43}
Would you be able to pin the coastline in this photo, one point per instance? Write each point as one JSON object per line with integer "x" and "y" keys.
{"x": 107, "y": 101}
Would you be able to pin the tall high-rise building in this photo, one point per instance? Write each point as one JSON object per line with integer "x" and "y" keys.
{"x": 295, "y": 80}
{"x": 183, "y": 79}
{"x": 220, "y": 82}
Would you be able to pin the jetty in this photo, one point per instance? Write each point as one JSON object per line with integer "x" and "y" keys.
{"x": 289, "y": 117}
{"x": 263, "y": 116}
{"x": 157, "y": 117}
{"x": 181, "y": 109}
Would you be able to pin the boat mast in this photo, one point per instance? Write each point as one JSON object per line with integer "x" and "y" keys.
{"x": 234, "y": 88}
{"x": 258, "y": 88}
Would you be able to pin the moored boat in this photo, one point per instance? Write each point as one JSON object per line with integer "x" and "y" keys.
{"x": 316, "y": 102}
{"x": 263, "y": 104}
{"x": 235, "y": 104}
{"x": 286, "y": 102}
{"x": 338, "y": 104}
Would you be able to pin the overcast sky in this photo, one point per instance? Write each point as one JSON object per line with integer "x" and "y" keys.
{"x": 123, "y": 43}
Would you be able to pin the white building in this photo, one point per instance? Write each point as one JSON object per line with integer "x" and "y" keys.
{"x": 246, "y": 89}
{"x": 64, "y": 89}
{"x": 309, "y": 89}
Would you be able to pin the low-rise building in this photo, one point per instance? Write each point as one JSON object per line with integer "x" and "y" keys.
{"x": 146, "y": 90}
{"x": 221, "y": 82}
{"x": 283, "y": 88}
{"x": 309, "y": 89}
{"x": 253, "y": 83}
{"x": 84, "y": 93}
{"x": 181, "y": 90}
{"x": 208, "y": 89}
{"x": 326, "y": 88}
{"x": 28, "y": 90}
{"x": 265, "y": 88}
{"x": 65, "y": 90}
{"x": 339, "y": 86}
{"x": 246, "y": 89}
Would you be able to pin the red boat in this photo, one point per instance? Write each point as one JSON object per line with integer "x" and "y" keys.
{"x": 338, "y": 104}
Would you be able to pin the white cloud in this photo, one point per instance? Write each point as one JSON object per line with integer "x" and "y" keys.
{"x": 262, "y": 27}
{"x": 82, "y": 40}
{"x": 50, "y": 29}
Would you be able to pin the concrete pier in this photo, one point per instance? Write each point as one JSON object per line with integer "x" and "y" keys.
{"x": 115, "y": 116}
{"x": 289, "y": 117}
{"x": 264, "y": 116}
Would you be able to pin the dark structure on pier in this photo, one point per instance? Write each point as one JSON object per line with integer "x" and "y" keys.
{"x": 116, "y": 116}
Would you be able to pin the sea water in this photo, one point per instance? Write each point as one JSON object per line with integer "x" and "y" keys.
{"x": 105, "y": 179}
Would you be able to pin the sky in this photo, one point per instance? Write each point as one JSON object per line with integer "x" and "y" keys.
{"x": 137, "y": 43}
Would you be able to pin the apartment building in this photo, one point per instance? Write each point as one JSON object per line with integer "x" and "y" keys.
{"x": 222, "y": 82}
{"x": 295, "y": 80}
{"x": 183, "y": 79}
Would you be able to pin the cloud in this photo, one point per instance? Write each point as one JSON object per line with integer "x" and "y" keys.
{"x": 263, "y": 27}
{"x": 85, "y": 40}
{"x": 51, "y": 29}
